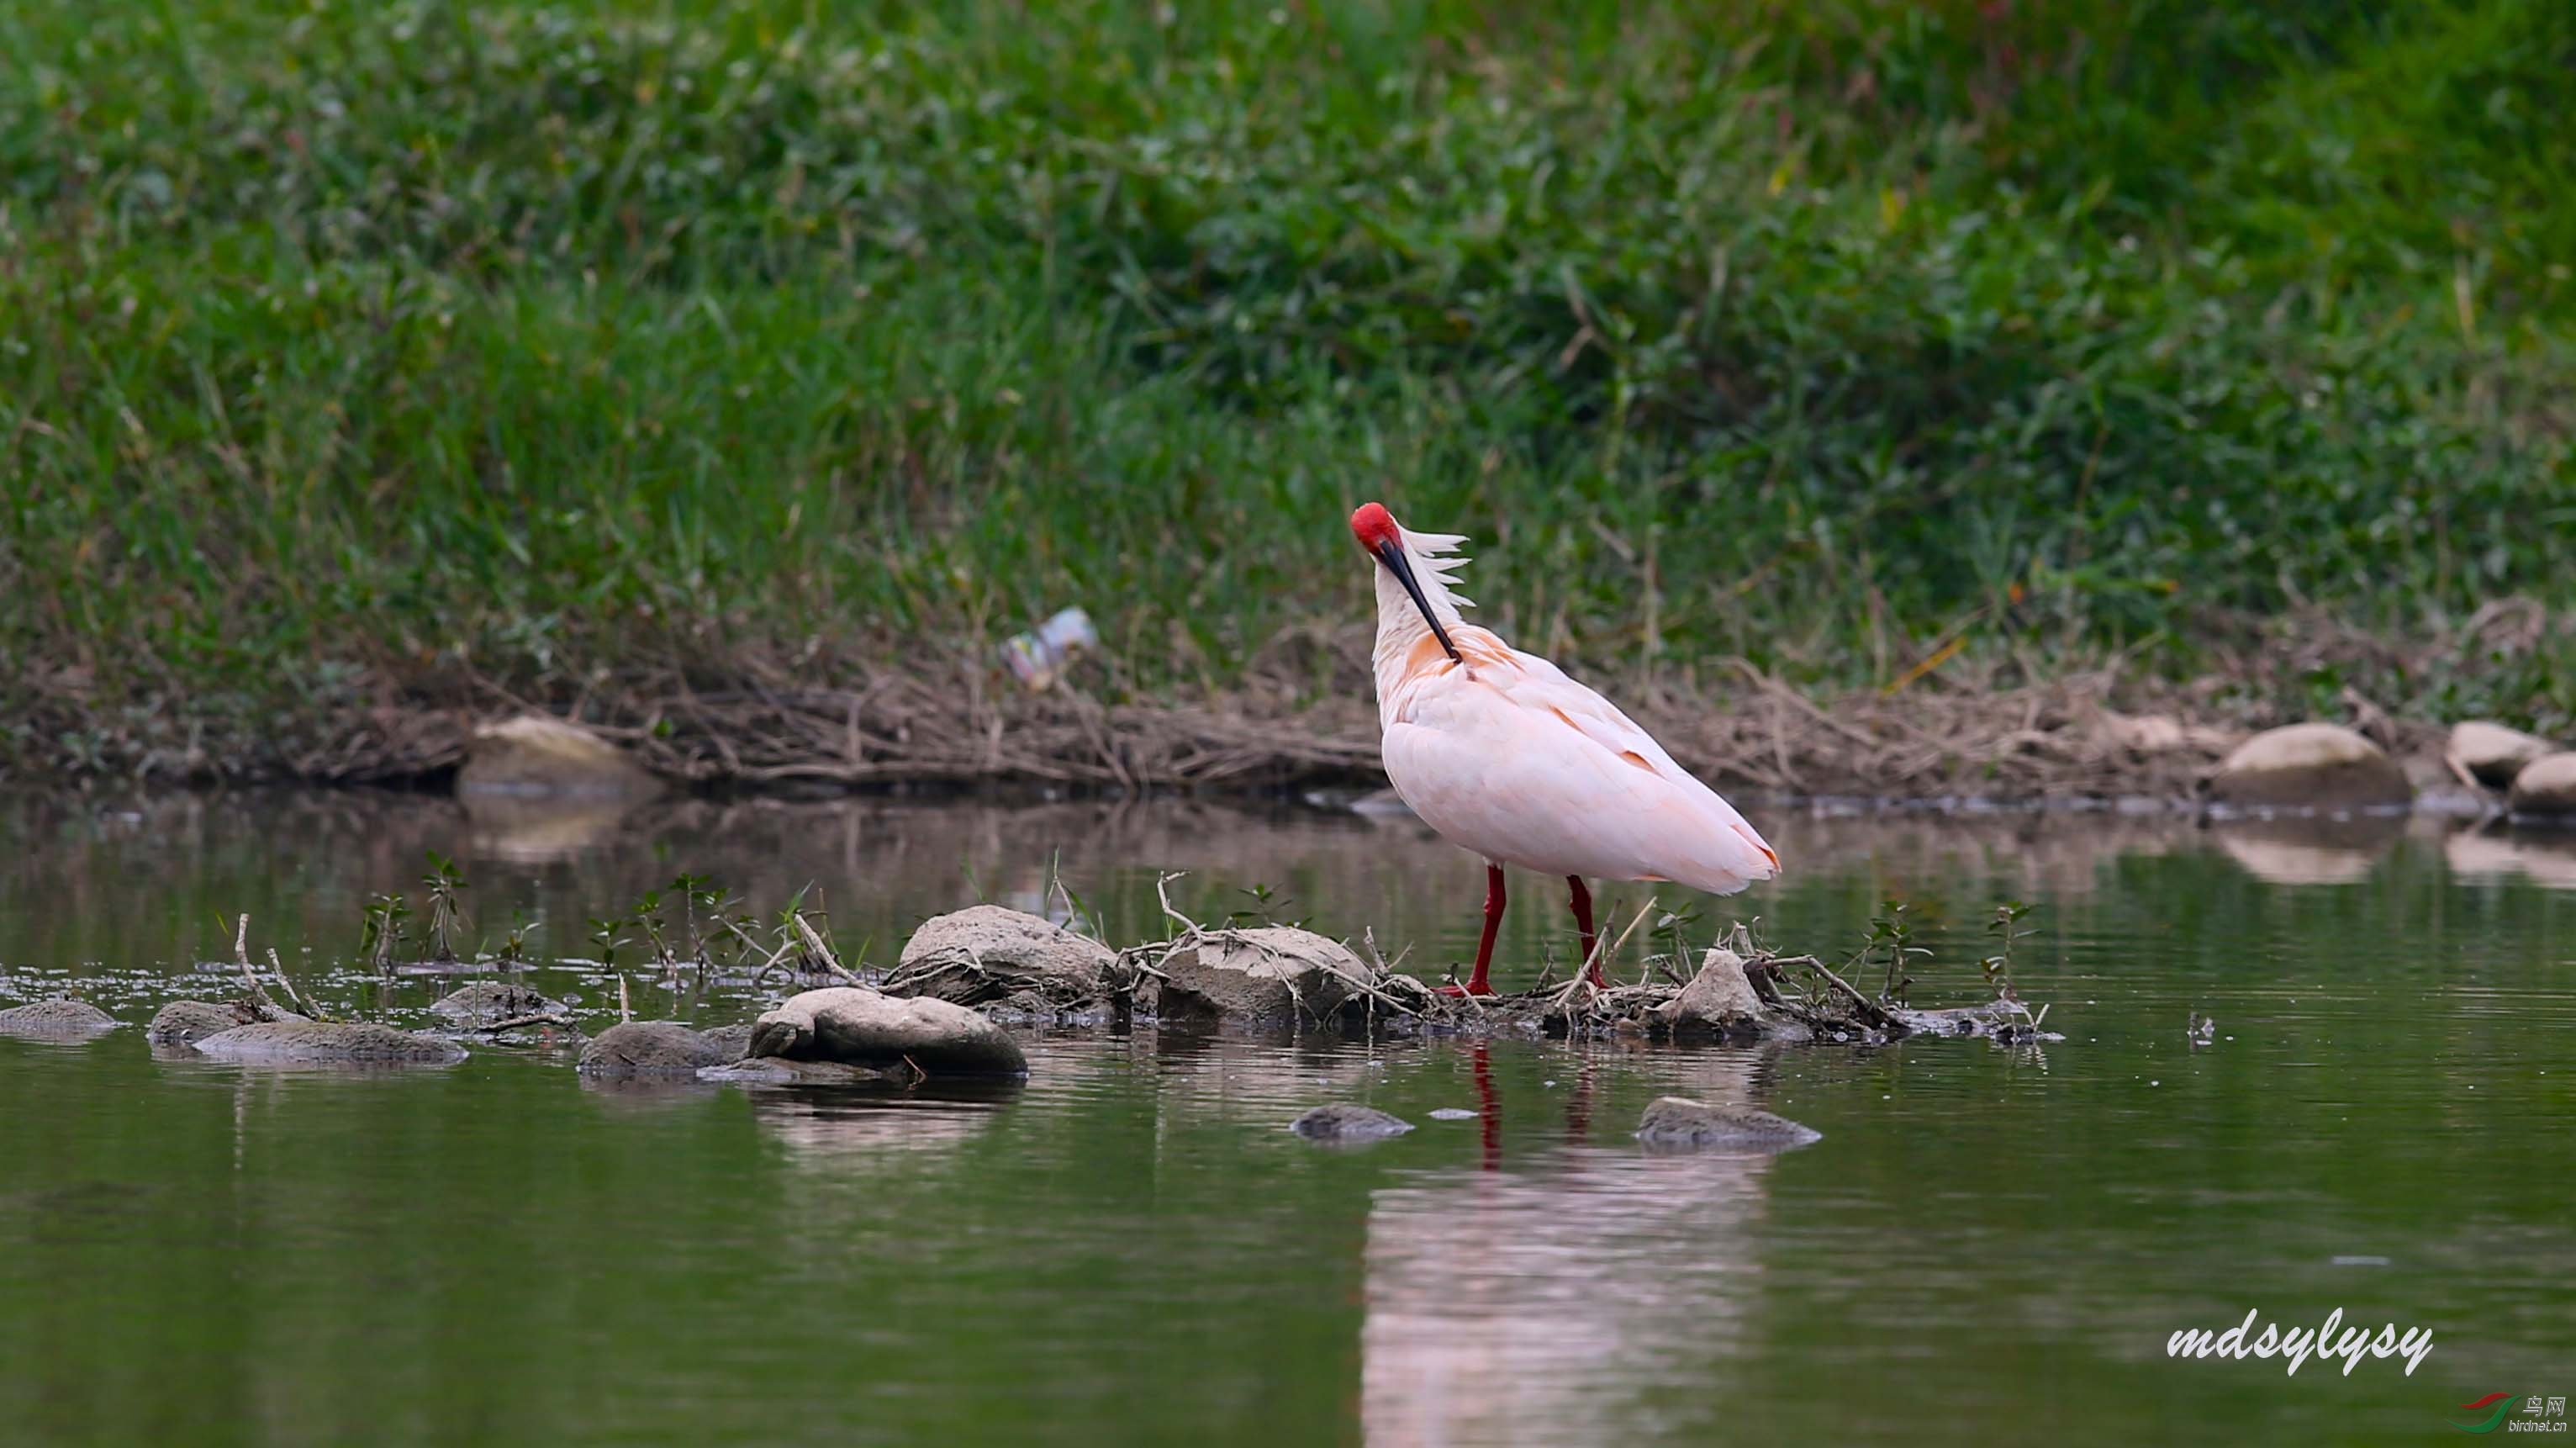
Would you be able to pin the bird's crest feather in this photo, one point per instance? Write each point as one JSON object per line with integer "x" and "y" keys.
{"x": 1435, "y": 562}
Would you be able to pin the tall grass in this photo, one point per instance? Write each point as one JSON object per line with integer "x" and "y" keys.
{"x": 351, "y": 349}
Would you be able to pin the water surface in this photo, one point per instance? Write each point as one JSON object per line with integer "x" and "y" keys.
{"x": 1987, "y": 1245}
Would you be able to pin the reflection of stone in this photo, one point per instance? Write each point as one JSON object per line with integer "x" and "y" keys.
{"x": 823, "y": 1126}
{"x": 647, "y": 1092}
{"x": 1538, "y": 1307}
{"x": 524, "y": 831}
{"x": 2472, "y": 855}
{"x": 2293, "y": 851}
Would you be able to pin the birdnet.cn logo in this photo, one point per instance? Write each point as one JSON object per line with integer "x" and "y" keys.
{"x": 2496, "y": 1410}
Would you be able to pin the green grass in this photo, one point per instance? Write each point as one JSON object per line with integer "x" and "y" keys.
{"x": 350, "y": 353}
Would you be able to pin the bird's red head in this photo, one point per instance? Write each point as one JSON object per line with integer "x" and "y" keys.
{"x": 1374, "y": 526}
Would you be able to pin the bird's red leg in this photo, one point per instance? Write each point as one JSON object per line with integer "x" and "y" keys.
{"x": 1582, "y": 902}
{"x": 1476, "y": 984}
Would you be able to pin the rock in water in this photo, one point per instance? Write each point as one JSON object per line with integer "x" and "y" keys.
{"x": 862, "y": 1027}
{"x": 733, "y": 1040}
{"x": 1677, "y": 1121}
{"x": 487, "y": 1003}
{"x": 986, "y": 953}
{"x": 2310, "y": 766}
{"x": 2492, "y": 754}
{"x": 1719, "y": 1001}
{"x": 2546, "y": 786}
{"x": 185, "y": 1023}
{"x": 327, "y": 1043}
{"x": 537, "y": 754}
{"x": 62, "y": 1017}
{"x": 1274, "y": 975}
{"x": 653, "y": 1048}
{"x": 1343, "y": 1122}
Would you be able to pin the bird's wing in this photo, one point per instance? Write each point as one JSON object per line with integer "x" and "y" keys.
{"x": 1524, "y": 764}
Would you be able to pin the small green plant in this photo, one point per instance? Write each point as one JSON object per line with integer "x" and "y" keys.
{"x": 647, "y": 917}
{"x": 606, "y": 937}
{"x": 446, "y": 887}
{"x": 1676, "y": 960}
{"x": 2004, "y": 928}
{"x": 1266, "y": 909}
{"x": 384, "y": 933}
{"x": 699, "y": 896}
{"x": 514, "y": 942}
{"x": 1891, "y": 943}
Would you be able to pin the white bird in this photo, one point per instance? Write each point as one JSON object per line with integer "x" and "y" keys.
{"x": 1504, "y": 755}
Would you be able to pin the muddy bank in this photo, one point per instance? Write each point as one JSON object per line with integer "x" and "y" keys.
{"x": 1952, "y": 731}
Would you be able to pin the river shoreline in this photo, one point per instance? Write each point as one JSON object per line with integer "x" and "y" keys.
{"x": 2086, "y": 736}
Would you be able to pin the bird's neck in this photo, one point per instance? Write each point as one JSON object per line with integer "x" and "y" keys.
{"x": 1406, "y": 648}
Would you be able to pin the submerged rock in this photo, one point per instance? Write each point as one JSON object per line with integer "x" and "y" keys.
{"x": 862, "y": 1027}
{"x": 2492, "y": 754}
{"x": 986, "y": 953}
{"x": 653, "y": 1048}
{"x": 1678, "y": 1121}
{"x": 327, "y": 1043}
{"x": 486, "y": 1004}
{"x": 537, "y": 754}
{"x": 780, "y": 1071}
{"x": 60, "y": 1017}
{"x": 1719, "y": 1001}
{"x": 185, "y": 1023}
{"x": 2310, "y": 766}
{"x": 2546, "y": 786}
{"x": 1344, "y": 1122}
{"x": 1274, "y": 975}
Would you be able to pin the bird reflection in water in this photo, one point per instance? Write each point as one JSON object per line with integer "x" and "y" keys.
{"x": 1553, "y": 1303}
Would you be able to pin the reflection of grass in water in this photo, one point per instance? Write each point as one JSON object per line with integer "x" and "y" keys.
{"x": 519, "y": 345}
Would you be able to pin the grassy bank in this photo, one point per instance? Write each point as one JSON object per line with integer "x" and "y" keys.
{"x": 605, "y": 356}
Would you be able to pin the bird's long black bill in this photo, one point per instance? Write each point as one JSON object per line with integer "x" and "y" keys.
{"x": 1392, "y": 555}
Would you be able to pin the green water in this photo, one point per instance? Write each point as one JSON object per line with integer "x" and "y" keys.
{"x": 1987, "y": 1245}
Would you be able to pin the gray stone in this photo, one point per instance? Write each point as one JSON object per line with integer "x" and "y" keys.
{"x": 733, "y": 1040}
{"x": 327, "y": 1043}
{"x": 779, "y": 1071}
{"x": 2310, "y": 766}
{"x": 185, "y": 1023}
{"x": 488, "y": 1003}
{"x": 652, "y": 1048}
{"x": 986, "y": 953}
{"x": 2492, "y": 754}
{"x": 1719, "y": 1001}
{"x": 537, "y": 754}
{"x": 863, "y": 1027}
{"x": 61, "y": 1017}
{"x": 1344, "y": 1122}
{"x": 1678, "y": 1121}
{"x": 1273, "y": 975}
{"x": 2546, "y": 786}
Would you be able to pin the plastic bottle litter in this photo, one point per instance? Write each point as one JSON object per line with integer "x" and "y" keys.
{"x": 1039, "y": 655}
